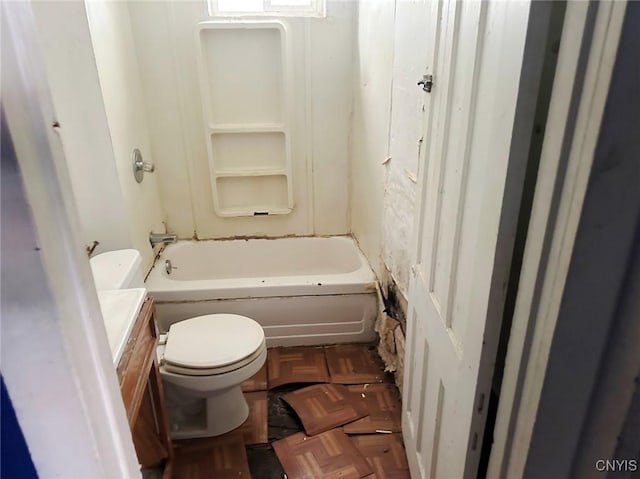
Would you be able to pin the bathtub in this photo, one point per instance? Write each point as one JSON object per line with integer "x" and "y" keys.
{"x": 303, "y": 291}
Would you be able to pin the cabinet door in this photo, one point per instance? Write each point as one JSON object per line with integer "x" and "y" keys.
{"x": 143, "y": 395}
{"x": 146, "y": 438}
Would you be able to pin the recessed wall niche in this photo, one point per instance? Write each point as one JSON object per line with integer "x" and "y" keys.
{"x": 244, "y": 72}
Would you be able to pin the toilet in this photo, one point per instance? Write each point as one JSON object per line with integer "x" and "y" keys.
{"x": 119, "y": 269}
{"x": 203, "y": 360}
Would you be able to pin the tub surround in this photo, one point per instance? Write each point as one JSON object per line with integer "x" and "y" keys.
{"x": 321, "y": 50}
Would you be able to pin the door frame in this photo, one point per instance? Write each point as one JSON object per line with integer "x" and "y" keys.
{"x": 588, "y": 50}
{"x": 56, "y": 361}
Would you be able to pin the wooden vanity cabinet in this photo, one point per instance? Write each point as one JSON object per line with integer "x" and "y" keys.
{"x": 141, "y": 388}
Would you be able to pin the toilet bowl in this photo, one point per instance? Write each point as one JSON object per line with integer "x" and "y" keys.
{"x": 204, "y": 360}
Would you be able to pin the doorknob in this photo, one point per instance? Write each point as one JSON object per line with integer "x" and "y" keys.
{"x": 426, "y": 82}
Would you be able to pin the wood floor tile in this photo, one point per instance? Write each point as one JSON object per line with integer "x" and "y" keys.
{"x": 324, "y": 406}
{"x": 354, "y": 364}
{"x": 297, "y": 365}
{"x": 385, "y": 454}
{"x": 257, "y": 382}
{"x": 330, "y": 455}
{"x": 383, "y": 403}
{"x": 221, "y": 457}
{"x": 254, "y": 428}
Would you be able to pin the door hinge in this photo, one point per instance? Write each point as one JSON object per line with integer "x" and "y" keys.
{"x": 426, "y": 82}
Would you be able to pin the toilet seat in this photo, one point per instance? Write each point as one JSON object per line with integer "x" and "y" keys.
{"x": 212, "y": 344}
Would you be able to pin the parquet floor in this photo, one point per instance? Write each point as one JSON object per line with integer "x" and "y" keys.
{"x": 327, "y": 455}
{"x": 255, "y": 429}
{"x": 222, "y": 457}
{"x": 297, "y": 365}
{"x": 325, "y": 406}
{"x": 315, "y": 413}
{"x": 354, "y": 364}
{"x": 383, "y": 404}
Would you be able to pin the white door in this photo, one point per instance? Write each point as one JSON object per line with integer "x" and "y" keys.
{"x": 458, "y": 274}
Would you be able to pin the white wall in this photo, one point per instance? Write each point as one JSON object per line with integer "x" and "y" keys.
{"x": 122, "y": 90}
{"x": 63, "y": 35}
{"x": 411, "y": 38}
{"x": 323, "y": 59}
{"x": 371, "y": 118}
{"x": 388, "y": 123}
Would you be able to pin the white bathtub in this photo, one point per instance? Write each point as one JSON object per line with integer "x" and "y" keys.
{"x": 301, "y": 290}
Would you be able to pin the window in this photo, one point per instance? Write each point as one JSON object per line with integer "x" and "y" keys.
{"x": 289, "y": 8}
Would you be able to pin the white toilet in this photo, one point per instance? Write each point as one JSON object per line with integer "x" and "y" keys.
{"x": 207, "y": 358}
{"x": 120, "y": 269}
{"x": 203, "y": 360}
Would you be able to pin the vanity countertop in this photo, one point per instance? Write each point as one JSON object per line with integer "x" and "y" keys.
{"x": 120, "y": 308}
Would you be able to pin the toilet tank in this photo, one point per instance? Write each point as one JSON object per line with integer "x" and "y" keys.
{"x": 120, "y": 269}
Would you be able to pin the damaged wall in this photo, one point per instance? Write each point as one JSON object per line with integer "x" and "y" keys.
{"x": 405, "y": 138}
{"x": 386, "y": 146}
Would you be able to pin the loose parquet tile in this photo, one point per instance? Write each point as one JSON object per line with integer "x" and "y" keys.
{"x": 354, "y": 364}
{"x": 297, "y": 365}
{"x": 383, "y": 403}
{"x": 221, "y": 457}
{"x": 325, "y": 406}
{"x": 254, "y": 428}
{"x": 257, "y": 382}
{"x": 385, "y": 453}
{"x": 330, "y": 455}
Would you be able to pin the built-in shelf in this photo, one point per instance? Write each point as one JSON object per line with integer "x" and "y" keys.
{"x": 251, "y": 194}
{"x": 245, "y": 70}
{"x": 256, "y": 127}
{"x": 256, "y": 172}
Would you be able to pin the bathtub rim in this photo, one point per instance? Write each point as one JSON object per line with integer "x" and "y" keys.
{"x": 360, "y": 281}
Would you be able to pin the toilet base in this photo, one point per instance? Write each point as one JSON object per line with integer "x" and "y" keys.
{"x": 225, "y": 411}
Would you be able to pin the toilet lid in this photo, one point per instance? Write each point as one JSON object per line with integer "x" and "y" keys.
{"x": 213, "y": 341}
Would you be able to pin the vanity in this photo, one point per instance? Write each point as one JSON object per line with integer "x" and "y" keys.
{"x": 142, "y": 393}
{"x": 129, "y": 319}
